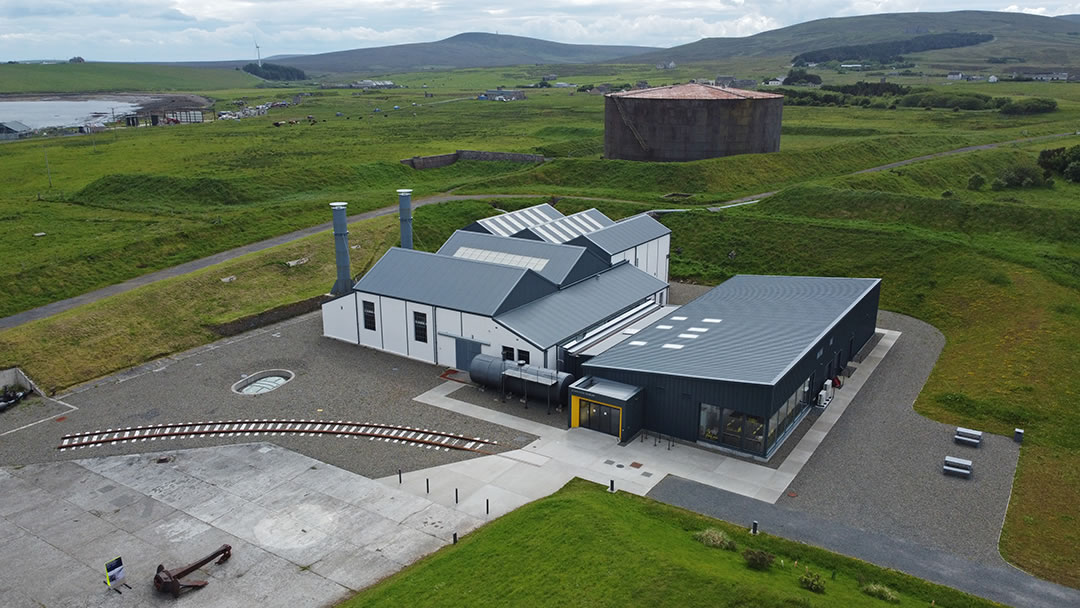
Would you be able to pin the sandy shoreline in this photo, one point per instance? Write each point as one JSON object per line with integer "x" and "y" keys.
{"x": 145, "y": 101}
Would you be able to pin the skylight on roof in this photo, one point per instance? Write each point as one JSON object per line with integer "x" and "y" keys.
{"x": 691, "y": 336}
{"x": 500, "y": 257}
{"x": 678, "y": 318}
{"x": 699, "y": 330}
{"x": 637, "y": 343}
{"x": 664, "y": 326}
{"x": 673, "y": 346}
{"x": 711, "y": 320}
{"x": 630, "y": 331}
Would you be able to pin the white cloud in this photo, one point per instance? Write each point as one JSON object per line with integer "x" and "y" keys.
{"x": 165, "y": 30}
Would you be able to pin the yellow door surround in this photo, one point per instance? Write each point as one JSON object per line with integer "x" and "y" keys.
{"x": 575, "y": 411}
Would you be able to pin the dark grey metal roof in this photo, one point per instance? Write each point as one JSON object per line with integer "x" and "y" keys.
{"x": 573, "y": 309}
{"x": 15, "y": 126}
{"x": 560, "y": 264}
{"x": 624, "y": 234}
{"x": 454, "y": 283}
{"x": 508, "y": 224}
{"x": 749, "y": 329}
{"x": 569, "y": 227}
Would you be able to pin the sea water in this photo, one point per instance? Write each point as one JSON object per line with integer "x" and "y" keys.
{"x": 38, "y": 114}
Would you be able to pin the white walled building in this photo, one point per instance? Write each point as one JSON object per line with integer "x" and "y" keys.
{"x": 514, "y": 298}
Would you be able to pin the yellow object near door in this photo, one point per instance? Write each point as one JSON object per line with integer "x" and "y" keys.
{"x": 597, "y": 416}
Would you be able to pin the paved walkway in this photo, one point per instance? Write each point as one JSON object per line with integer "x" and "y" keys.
{"x": 1003, "y": 584}
{"x": 303, "y": 533}
{"x": 493, "y": 485}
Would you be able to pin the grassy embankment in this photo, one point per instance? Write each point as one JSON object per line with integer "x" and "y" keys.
{"x": 176, "y": 314}
{"x": 997, "y": 272}
{"x": 31, "y": 78}
{"x": 585, "y": 547}
{"x": 132, "y": 201}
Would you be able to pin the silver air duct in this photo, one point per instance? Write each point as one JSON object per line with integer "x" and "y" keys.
{"x": 343, "y": 285}
{"x": 405, "y": 213}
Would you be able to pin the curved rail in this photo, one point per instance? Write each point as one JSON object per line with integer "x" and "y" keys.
{"x": 231, "y": 428}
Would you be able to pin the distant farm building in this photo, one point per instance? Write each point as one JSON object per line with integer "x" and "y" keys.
{"x": 14, "y": 130}
{"x": 690, "y": 122}
{"x": 504, "y": 94}
{"x": 955, "y": 76}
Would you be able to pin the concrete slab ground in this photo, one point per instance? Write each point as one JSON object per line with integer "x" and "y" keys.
{"x": 333, "y": 381}
{"x": 303, "y": 533}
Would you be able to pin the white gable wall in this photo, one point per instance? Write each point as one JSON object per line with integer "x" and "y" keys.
{"x": 651, "y": 257}
{"x": 368, "y": 337}
{"x": 393, "y": 326}
{"x": 496, "y": 336}
{"x": 339, "y": 319}
{"x": 424, "y": 351}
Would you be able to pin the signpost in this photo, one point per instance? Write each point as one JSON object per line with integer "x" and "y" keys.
{"x": 114, "y": 574}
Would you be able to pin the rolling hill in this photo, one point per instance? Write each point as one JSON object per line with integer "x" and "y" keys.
{"x": 469, "y": 50}
{"x": 1039, "y": 40}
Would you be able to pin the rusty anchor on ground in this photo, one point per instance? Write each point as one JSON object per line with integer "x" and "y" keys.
{"x": 169, "y": 581}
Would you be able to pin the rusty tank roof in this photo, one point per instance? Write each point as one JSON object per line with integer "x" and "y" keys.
{"x": 693, "y": 91}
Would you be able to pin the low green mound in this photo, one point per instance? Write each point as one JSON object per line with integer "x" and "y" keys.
{"x": 583, "y": 546}
{"x": 161, "y": 192}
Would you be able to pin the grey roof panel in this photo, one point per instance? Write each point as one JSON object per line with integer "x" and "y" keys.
{"x": 550, "y": 320}
{"x": 566, "y": 263}
{"x": 16, "y": 126}
{"x": 454, "y": 283}
{"x": 750, "y": 329}
{"x": 507, "y": 224}
{"x": 624, "y": 234}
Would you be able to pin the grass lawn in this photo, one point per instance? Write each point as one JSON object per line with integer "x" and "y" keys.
{"x": 110, "y": 77}
{"x": 585, "y": 547}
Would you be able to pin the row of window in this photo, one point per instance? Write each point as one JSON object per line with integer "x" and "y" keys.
{"x": 420, "y": 333}
{"x": 508, "y": 354}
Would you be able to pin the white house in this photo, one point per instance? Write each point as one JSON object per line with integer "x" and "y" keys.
{"x": 515, "y": 298}
{"x": 955, "y": 76}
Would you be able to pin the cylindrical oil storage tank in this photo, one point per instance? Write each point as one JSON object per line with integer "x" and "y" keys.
{"x": 541, "y": 382}
{"x": 690, "y": 122}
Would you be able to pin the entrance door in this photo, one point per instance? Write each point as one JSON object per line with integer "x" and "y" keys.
{"x": 599, "y": 417}
{"x": 466, "y": 351}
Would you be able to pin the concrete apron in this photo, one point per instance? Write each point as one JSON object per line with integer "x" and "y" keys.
{"x": 490, "y": 486}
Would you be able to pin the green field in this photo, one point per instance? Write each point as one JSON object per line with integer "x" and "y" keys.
{"x": 585, "y": 547}
{"x": 114, "y": 77}
{"x": 996, "y": 271}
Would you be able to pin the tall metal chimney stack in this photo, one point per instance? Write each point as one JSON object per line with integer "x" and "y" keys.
{"x": 343, "y": 285}
{"x": 405, "y": 213}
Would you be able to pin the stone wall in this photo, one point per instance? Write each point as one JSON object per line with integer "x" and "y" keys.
{"x": 442, "y": 160}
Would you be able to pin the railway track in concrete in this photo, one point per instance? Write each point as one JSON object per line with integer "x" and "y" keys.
{"x": 410, "y": 436}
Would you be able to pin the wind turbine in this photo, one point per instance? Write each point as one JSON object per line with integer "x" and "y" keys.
{"x": 258, "y": 53}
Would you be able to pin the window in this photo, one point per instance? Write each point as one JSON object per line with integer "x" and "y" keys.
{"x": 419, "y": 320}
{"x": 369, "y": 315}
{"x": 508, "y": 353}
{"x": 523, "y": 355}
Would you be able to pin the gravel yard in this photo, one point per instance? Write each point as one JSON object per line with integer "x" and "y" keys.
{"x": 334, "y": 381}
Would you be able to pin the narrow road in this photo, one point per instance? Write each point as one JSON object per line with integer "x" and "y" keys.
{"x": 53, "y": 308}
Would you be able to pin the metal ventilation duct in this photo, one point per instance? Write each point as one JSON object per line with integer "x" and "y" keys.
{"x": 343, "y": 284}
{"x": 537, "y": 382}
{"x": 405, "y": 213}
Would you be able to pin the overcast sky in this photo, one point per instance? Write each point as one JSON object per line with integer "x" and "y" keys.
{"x": 181, "y": 30}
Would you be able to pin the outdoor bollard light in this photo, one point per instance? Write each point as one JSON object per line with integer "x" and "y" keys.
{"x": 612, "y": 485}
{"x": 753, "y": 530}
{"x": 455, "y": 538}
{"x": 455, "y": 496}
{"x": 1018, "y": 435}
{"x": 487, "y": 506}
{"x": 399, "y": 476}
{"x": 427, "y": 484}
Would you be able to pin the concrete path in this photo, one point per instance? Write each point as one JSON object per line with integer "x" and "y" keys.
{"x": 53, "y": 308}
{"x": 1002, "y": 584}
{"x": 303, "y": 533}
{"x": 493, "y": 485}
